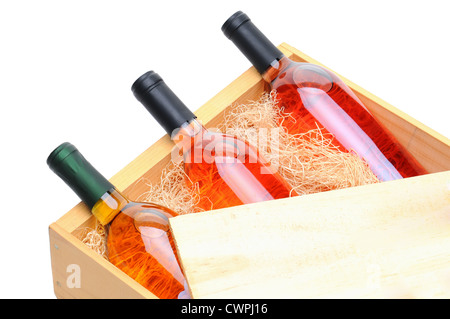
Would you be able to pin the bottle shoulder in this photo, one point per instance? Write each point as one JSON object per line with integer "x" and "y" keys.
{"x": 214, "y": 147}
{"x": 136, "y": 209}
{"x": 146, "y": 216}
{"x": 304, "y": 75}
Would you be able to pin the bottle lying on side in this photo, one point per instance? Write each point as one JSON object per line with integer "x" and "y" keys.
{"x": 139, "y": 241}
{"x": 227, "y": 170}
{"x": 313, "y": 95}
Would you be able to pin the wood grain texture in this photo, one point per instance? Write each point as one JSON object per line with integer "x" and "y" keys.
{"x": 387, "y": 240}
{"x": 98, "y": 277}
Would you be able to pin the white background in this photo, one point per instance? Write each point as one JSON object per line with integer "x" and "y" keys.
{"x": 66, "y": 68}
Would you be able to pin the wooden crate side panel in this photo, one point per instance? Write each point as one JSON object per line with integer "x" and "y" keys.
{"x": 386, "y": 240}
{"x": 146, "y": 167}
{"x": 78, "y": 216}
{"x": 430, "y": 148}
{"x": 73, "y": 264}
{"x": 248, "y": 86}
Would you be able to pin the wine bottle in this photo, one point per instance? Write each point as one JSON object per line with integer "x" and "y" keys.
{"x": 227, "y": 171}
{"x": 139, "y": 241}
{"x": 313, "y": 95}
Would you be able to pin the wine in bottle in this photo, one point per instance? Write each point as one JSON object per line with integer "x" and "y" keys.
{"x": 227, "y": 170}
{"x": 313, "y": 95}
{"x": 139, "y": 241}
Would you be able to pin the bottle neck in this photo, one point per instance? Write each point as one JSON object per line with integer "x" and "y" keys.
{"x": 71, "y": 166}
{"x": 275, "y": 69}
{"x": 162, "y": 103}
{"x": 109, "y": 205}
{"x": 258, "y": 49}
{"x": 183, "y": 136}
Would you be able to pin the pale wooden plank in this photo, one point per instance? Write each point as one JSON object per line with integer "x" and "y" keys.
{"x": 74, "y": 218}
{"x": 383, "y": 240}
{"x": 98, "y": 277}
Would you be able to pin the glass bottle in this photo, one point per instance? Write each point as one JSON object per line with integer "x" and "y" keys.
{"x": 226, "y": 170}
{"x": 139, "y": 241}
{"x": 313, "y": 95}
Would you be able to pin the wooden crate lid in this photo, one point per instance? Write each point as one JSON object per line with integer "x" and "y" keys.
{"x": 387, "y": 240}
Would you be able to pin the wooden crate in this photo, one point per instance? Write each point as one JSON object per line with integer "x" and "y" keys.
{"x": 384, "y": 240}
